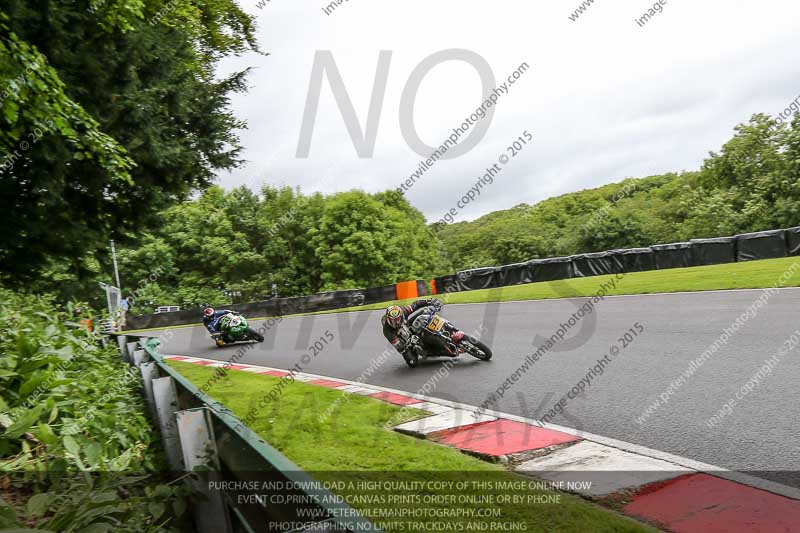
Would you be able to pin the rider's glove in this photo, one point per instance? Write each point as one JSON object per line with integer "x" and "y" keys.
{"x": 399, "y": 345}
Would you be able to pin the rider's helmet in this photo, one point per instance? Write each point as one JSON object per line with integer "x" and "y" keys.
{"x": 394, "y": 316}
{"x": 208, "y": 312}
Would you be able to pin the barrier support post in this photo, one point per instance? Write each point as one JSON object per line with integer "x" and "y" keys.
{"x": 140, "y": 357}
{"x": 132, "y": 347}
{"x": 166, "y": 405}
{"x": 123, "y": 348}
{"x": 199, "y": 450}
{"x": 149, "y": 373}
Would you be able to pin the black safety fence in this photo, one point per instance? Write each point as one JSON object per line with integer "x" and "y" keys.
{"x": 713, "y": 251}
{"x": 325, "y": 301}
{"x": 445, "y": 284}
{"x": 793, "y": 241}
{"x": 761, "y": 245}
{"x": 698, "y": 252}
{"x": 483, "y": 278}
{"x": 552, "y": 268}
{"x": 673, "y": 255}
{"x": 516, "y": 274}
{"x": 595, "y": 264}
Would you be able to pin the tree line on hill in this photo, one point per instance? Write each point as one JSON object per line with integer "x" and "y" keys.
{"x": 751, "y": 184}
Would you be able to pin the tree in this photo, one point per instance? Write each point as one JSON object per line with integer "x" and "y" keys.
{"x": 124, "y": 77}
{"x": 38, "y": 117}
{"x": 786, "y": 210}
{"x": 518, "y": 248}
{"x": 363, "y": 242}
{"x": 614, "y": 231}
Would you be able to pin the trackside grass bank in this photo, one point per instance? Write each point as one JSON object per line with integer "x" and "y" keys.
{"x": 748, "y": 275}
{"x": 352, "y": 445}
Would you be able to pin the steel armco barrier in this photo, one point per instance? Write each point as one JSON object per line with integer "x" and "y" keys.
{"x": 202, "y": 436}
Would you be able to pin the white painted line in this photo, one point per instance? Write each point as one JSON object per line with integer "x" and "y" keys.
{"x": 603, "y": 469}
{"x": 355, "y": 389}
{"x": 305, "y": 378}
{"x": 433, "y": 408}
{"x": 453, "y": 418}
{"x": 745, "y": 479}
{"x": 182, "y": 358}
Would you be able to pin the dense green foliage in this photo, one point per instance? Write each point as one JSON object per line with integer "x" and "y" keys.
{"x": 110, "y": 114}
{"x": 238, "y": 242}
{"x": 752, "y": 184}
{"x": 67, "y": 405}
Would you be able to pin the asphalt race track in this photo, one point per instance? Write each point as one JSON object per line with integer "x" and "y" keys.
{"x": 760, "y": 435}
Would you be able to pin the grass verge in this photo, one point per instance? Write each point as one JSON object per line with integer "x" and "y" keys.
{"x": 352, "y": 444}
{"x": 748, "y": 275}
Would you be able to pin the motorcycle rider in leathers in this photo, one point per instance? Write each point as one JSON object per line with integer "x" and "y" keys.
{"x": 395, "y": 316}
{"x": 211, "y": 319}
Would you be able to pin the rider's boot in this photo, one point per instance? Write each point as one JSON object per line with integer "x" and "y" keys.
{"x": 450, "y": 348}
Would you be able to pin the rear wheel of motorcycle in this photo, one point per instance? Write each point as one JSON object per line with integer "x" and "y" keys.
{"x": 411, "y": 359}
{"x": 255, "y": 335}
{"x": 476, "y": 348}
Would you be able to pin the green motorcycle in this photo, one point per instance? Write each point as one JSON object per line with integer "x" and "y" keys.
{"x": 234, "y": 328}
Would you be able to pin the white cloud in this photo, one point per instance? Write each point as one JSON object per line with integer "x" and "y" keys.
{"x": 604, "y": 98}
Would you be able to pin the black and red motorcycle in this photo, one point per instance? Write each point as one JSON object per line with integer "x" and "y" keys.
{"x": 427, "y": 334}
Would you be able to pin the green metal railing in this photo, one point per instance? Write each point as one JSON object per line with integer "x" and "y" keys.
{"x": 202, "y": 436}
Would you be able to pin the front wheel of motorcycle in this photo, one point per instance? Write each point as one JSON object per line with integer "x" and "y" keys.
{"x": 256, "y": 336}
{"x": 411, "y": 359}
{"x": 476, "y": 348}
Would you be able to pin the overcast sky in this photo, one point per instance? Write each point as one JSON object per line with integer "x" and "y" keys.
{"x": 604, "y": 98}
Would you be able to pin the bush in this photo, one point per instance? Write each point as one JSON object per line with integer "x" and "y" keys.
{"x": 73, "y": 433}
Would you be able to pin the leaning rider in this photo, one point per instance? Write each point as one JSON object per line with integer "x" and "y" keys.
{"x": 212, "y": 318}
{"x": 395, "y": 316}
